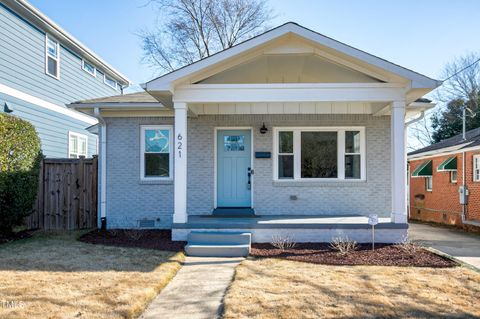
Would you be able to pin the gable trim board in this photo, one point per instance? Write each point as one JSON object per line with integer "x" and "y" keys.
{"x": 45, "y": 104}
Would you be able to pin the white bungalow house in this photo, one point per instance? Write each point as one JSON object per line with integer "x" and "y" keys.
{"x": 290, "y": 132}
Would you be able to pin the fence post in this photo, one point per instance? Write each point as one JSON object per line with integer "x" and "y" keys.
{"x": 81, "y": 195}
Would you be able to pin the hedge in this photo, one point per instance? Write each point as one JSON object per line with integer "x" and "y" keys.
{"x": 20, "y": 158}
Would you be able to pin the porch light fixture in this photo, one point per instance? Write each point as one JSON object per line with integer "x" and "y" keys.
{"x": 263, "y": 129}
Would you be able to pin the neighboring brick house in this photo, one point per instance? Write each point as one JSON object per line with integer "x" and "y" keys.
{"x": 437, "y": 177}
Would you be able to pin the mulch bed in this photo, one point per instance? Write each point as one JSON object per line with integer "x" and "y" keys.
{"x": 16, "y": 236}
{"x": 150, "y": 239}
{"x": 383, "y": 255}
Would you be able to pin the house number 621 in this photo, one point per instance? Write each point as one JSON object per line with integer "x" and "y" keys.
{"x": 179, "y": 145}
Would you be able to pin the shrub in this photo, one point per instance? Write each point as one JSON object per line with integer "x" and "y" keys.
{"x": 344, "y": 246}
{"x": 283, "y": 242}
{"x": 20, "y": 157}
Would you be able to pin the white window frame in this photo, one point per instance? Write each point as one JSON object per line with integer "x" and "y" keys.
{"x": 143, "y": 128}
{"x": 452, "y": 179}
{"x": 57, "y": 58}
{"x": 476, "y": 168}
{"x": 297, "y": 151}
{"x": 427, "y": 187}
{"x": 94, "y": 74}
{"x": 105, "y": 81}
{"x": 77, "y": 135}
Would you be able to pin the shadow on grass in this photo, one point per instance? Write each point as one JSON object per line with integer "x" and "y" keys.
{"x": 62, "y": 252}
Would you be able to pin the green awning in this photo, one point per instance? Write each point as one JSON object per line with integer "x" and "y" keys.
{"x": 450, "y": 164}
{"x": 423, "y": 170}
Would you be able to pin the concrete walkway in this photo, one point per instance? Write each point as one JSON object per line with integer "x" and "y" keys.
{"x": 196, "y": 292}
{"x": 459, "y": 244}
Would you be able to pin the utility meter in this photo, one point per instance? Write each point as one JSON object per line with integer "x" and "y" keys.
{"x": 463, "y": 194}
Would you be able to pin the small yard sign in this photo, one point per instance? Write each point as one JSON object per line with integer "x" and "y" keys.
{"x": 373, "y": 219}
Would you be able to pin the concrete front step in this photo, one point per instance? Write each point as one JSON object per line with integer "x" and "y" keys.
{"x": 216, "y": 237}
{"x": 218, "y": 244}
{"x": 217, "y": 250}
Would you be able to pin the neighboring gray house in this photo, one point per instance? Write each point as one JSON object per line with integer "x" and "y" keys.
{"x": 42, "y": 68}
{"x": 291, "y": 132}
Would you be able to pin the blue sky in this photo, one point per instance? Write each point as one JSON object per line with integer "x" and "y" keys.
{"x": 419, "y": 34}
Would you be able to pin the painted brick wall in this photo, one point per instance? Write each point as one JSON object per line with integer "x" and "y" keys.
{"x": 473, "y": 207}
{"x": 441, "y": 205}
{"x": 271, "y": 198}
{"x": 129, "y": 200}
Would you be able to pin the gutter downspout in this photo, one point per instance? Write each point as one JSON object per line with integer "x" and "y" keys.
{"x": 422, "y": 115}
{"x": 464, "y": 206}
{"x": 103, "y": 168}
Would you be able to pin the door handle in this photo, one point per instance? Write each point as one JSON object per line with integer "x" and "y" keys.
{"x": 249, "y": 174}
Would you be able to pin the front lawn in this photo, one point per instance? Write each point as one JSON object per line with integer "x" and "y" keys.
{"x": 275, "y": 288}
{"x": 56, "y": 276}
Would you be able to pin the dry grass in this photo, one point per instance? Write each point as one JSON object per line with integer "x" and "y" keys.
{"x": 273, "y": 288}
{"x": 55, "y": 276}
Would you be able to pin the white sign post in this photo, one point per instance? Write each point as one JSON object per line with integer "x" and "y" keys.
{"x": 373, "y": 220}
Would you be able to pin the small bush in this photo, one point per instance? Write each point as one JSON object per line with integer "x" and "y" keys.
{"x": 344, "y": 246}
{"x": 20, "y": 158}
{"x": 283, "y": 242}
{"x": 407, "y": 246}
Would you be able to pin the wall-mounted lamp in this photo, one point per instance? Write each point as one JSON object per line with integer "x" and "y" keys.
{"x": 6, "y": 109}
{"x": 263, "y": 129}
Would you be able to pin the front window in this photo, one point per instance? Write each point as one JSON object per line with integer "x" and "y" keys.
{"x": 52, "y": 57}
{"x": 77, "y": 145}
{"x": 320, "y": 153}
{"x": 156, "y": 152}
{"x": 476, "y": 168}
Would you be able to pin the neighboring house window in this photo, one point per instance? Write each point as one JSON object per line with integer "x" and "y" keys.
{"x": 476, "y": 168}
{"x": 429, "y": 183}
{"x": 156, "y": 156}
{"x": 453, "y": 176}
{"x": 52, "y": 57}
{"x": 109, "y": 81}
{"x": 77, "y": 145}
{"x": 319, "y": 153}
{"x": 89, "y": 68}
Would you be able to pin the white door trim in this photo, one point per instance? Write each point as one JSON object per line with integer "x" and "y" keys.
{"x": 252, "y": 178}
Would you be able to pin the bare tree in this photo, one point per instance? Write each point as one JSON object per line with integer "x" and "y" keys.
{"x": 421, "y": 133}
{"x": 190, "y": 30}
{"x": 460, "y": 88}
{"x": 462, "y": 80}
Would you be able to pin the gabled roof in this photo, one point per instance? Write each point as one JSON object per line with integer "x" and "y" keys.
{"x": 163, "y": 83}
{"x": 41, "y": 21}
{"x": 453, "y": 143}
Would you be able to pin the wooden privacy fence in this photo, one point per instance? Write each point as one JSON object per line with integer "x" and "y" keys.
{"x": 67, "y": 195}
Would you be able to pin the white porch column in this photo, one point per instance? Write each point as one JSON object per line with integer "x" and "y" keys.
{"x": 180, "y": 156}
{"x": 399, "y": 163}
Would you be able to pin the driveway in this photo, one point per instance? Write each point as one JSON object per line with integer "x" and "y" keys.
{"x": 461, "y": 245}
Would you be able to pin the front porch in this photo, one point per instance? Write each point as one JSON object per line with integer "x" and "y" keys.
{"x": 299, "y": 228}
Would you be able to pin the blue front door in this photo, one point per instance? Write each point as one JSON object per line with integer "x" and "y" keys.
{"x": 233, "y": 163}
